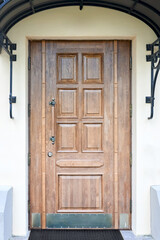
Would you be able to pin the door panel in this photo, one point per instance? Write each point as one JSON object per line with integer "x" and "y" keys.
{"x": 67, "y": 68}
{"x": 89, "y": 169}
{"x": 67, "y": 103}
{"x": 93, "y": 103}
{"x": 92, "y": 68}
{"x": 67, "y": 137}
{"x": 92, "y": 137}
{"x": 80, "y": 192}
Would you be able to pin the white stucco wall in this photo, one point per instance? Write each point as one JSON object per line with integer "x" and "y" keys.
{"x": 70, "y": 23}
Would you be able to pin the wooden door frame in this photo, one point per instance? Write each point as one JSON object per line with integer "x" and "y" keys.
{"x": 29, "y": 103}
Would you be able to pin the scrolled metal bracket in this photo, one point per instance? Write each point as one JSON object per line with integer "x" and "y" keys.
{"x": 81, "y": 4}
{"x": 154, "y": 58}
{"x": 9, "y": 47}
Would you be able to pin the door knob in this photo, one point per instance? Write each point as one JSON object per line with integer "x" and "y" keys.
{"x": 50, "y": 154}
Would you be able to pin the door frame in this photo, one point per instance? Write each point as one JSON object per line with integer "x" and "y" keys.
{"x": 131, "y": 111}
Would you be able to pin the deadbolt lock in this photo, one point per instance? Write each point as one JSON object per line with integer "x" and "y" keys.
{"x": 53, "y": 139}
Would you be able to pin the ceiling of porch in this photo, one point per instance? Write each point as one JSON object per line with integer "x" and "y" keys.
{"x": 13, "y": 11}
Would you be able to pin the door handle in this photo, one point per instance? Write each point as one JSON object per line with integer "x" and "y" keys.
{"x": 53, "y": 102}
{"x": 53, "y": 139}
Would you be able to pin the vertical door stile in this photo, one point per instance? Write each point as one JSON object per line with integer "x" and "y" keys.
{"x": 50, "y": 60}
{"x": 43, "y": 138}
{"x": 53, "y": 133}
{"x": 36, "y": 134}
{"x": 54, "y": 113}
{"x": 115, "y": 137}
{"x": 124, "y": 135}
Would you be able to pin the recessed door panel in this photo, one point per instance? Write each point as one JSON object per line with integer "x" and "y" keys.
{"x": 66, "y": 68}
{"x": 93, "y": 68}
{"x": 67, "y": 137}
{"x": 92, "y": 137}
{"x": 67, "y": 103}
{"x": 93, "y": 102}
{"x": 80, "y": 193}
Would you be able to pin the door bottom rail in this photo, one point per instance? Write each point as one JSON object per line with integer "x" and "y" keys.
{"x": 73, "y": 220}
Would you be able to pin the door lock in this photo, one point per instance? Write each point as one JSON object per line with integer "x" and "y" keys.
{"x": 50, "y": 154}
{"x": 53, "y": 139}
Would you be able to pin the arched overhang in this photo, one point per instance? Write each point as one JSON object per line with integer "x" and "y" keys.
{"x": 148, "y": 11}
{"x": 13, "y": 11}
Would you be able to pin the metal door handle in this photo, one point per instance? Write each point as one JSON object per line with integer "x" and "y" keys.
{"x": 53, "y": 102}
{"x": 53, "y": 139}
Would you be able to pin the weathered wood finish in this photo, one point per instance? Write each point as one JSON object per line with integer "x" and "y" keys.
{"x": 124, "y": 125}
{"x": 43, "y": 135}
{"x": 83, "y": 163}
{"x": 115, "y": 133}
{"x": 89, "y": 171}
{"x": 50, "y": 129}
{"x": 36, "y": 129}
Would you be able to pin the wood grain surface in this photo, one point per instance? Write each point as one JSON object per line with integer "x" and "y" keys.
{"x": 89, "y": 171}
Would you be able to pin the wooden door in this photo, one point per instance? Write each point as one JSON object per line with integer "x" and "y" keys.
{"x": 80, "y": 134}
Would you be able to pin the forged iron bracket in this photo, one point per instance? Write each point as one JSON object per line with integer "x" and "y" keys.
{"x": 81, "y": 5}
{"x": 9, "y": 47}
{"x": 154, "y": 58}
